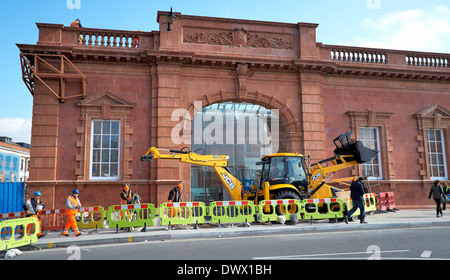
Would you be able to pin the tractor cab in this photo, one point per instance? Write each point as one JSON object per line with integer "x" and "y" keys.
{"x": 284, "y": 168}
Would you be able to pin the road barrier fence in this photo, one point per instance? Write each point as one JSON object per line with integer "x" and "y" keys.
{"x": 131, "y": 215}
{"x": 18, "y": 237}
{"x": 188, "y": 213}
{"x": 182, "y": 213}
{"x": 323, "y": 208}
{"x": 231, "y": 211}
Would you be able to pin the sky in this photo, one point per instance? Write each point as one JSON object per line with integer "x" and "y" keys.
{"x": 395, "y": 24}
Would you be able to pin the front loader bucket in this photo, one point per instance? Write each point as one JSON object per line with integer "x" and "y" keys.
{"x": 356, "y": 149}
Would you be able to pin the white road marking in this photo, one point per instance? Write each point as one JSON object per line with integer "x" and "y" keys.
{"x": 324, "y": 255}
{"x": 426, "y": 254}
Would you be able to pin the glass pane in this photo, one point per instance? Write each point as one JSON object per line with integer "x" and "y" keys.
{"x": 96, "y": 170}
{"x": 430, "y": 135}
{"x": 96, "y": 155}
{"x": 105, "y": 155}
{"x": 438, "y": 135}
{"x": 114, "y": 155}
{"x": 96, "y": 142}
{"x": 113, "y": 170}
{"x": 114, "y": 141}
{"x": 105, "y": 170}
{"x": 106, "y": 127}
{"x": 97, "y": 127}
{"x": 115, "y": 128}
{"x": 105, "y": 141}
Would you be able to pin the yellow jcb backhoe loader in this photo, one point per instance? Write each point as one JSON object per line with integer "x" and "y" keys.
{"x": 284, "y": 175}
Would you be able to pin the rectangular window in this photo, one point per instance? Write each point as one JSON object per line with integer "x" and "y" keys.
{"x": 105, "y": 157}
{"x": 369, "y": 136}
{"x": 436, "y": 154}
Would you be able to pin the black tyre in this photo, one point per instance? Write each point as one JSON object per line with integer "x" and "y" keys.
{"x": 287, "y": 194}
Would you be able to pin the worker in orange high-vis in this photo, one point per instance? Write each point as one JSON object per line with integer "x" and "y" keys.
{"x": 73, "y": 205}
{"x": 175, "y": 193}
{"x": 175, "y": 196}
{"x": 126, "y": 197}
{"x": 76, "y": 23}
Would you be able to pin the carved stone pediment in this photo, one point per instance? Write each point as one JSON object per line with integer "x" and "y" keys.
{"x": 238, "y": 37}
{"x": 435, "y": 111}
{"x": 106, "y": 98}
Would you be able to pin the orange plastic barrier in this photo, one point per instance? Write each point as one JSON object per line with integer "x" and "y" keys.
{"x": 53, "y": 219}
{"x": 382, "y": 201}
{"x": 390, "y": 201}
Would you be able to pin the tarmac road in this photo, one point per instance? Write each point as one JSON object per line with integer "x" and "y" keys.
{"x": 424, "y": 243}
{"x": 406, "y": 234}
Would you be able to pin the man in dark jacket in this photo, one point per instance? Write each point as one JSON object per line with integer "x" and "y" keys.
{"x": 175, "y": 194}
{"x": 357, "y": 196}
{"x": 436, "y": 191}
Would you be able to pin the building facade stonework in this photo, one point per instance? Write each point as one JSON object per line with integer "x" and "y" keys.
{"x": 102, "y": 97}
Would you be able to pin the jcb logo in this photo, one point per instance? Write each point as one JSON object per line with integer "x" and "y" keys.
{"x": 228, "y": 181}
{"x": 316, "y": 176}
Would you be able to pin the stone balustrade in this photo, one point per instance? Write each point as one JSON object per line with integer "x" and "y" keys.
{"x": 108, "y": 39}
{"x": 427, "y": 60}
{"x": 57, "y": 34}
{"x": 358, "y": 55}
{"x": 384, "y": 56}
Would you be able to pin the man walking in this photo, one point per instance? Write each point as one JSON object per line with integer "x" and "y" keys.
{"x": 437, "y": 192}
{"x": 357, "y": 196}
{"x": 73, "y": 205}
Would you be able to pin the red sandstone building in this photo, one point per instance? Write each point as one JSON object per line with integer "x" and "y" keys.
{"x": 101, "y": 98}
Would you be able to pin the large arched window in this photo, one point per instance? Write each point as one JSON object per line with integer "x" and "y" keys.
{"x": 244, "y": 132}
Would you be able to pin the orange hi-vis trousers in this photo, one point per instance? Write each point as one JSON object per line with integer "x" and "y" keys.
{"x": 71, "y": 223}
{"x": 32, "y": 226}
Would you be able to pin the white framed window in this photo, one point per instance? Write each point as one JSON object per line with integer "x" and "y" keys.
{"x": 436, "y": 154}
{"x": 369, "y": 136}
{"x": 105, "y": 152}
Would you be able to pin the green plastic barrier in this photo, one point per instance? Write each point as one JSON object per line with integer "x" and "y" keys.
{"x": 370, "y": 204}
{"x": 96, "y": 216}
{"x": 231, "y": 211}
{"x": 267, "y": 209}
{"x": 11, "y": 240}
{"x": 370, "y": 200}
{"x": 131, "y": 215}
{"x": 182, "y": 213}
{"x": 323, "y": 208}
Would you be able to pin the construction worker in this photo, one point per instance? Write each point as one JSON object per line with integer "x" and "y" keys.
{"x": 76, "y": 23}
{"x": 126, "y": 197}
{"x": 73, "y": 205}
{"x": 175, "y": 196}
{"x": 175, "y": 193}
{"x": 135, "y": 43}
{"x": 32, "y": 208}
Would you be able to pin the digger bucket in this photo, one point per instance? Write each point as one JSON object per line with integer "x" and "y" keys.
{"x": 356, "y": 149}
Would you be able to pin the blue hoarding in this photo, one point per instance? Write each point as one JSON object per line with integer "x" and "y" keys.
{"x": 11, "y": 197}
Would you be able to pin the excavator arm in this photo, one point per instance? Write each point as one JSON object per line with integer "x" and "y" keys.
{"x": 217, "y": 162}
{"x": 347, "y": 154}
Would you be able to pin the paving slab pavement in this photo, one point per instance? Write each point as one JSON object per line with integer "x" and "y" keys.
{"x": 398, "y": 219}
